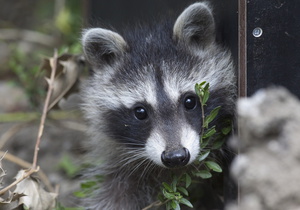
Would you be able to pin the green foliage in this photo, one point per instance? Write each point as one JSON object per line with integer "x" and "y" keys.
{"x": 63, "y": 27}
{"x": 26, "y": 76}
{"x": 88, "y": 187}
{"x": 59, "y": 206}
{"x": 210, "y": 139}
{"x": 68, "y": 166}
{"x": 74, "y": 48}
{"x": 173, "y": 194}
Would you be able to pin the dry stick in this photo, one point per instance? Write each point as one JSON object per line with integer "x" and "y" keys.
{"x": 154, "y": 204}
{"x": 27, "y": 174}
{"x": 25, "y": 164}
{"x": 53, "y": 64}
{"x": 35, "y": 168}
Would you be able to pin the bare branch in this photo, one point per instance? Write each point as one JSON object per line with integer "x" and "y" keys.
{"x": 25, "y": 164}
{"x": 27, "y": 174}
{"x": 53, "y": 63}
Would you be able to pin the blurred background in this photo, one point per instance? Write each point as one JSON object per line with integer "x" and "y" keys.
{"x": 29, "y": 32}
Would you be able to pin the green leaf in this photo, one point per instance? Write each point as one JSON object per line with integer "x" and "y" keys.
{"x": 188, "y": 180}
{"x": 186, "y": 202}
{"x": 204, "y": 155}
{"x": 204, "y": 143}
{"x": 169, "y": 196}
{"x": 211, "y": 116}
{"x": 167, "y": 187}
{"x": 68, "y": 166}
{"x": 205, "y": 97}
{"x": 88, "y": 184}
{"x": 204, "y": 174}
{"x": 213, "y": 166}
{"x": 206, "y": 87}
{"x": 175, "y": 205}
{"x": 218, "y": 144}
{"x": 183, "y": 190}
{"x": 199, "y": 92}
{"x": 80, "y": 194}
{"x": 208, "y": 133}
{"x": 226, "y": 130}
{"x": 202, "y": 83}
{"x": 161, "y": 197}
{"x": 174, "y": 183}
{"x": 168, "y": 205}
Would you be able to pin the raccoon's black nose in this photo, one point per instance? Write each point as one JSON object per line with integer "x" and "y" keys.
{"x": 175, "y": 158}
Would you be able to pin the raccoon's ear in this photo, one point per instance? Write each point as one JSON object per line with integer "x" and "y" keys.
{"x": 102, "y": 46}
{"x": 195, "y": 26}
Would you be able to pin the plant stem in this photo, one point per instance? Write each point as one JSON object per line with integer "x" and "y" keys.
{"x": 27, "y": 174}
{"x": 154, "y": 204}
{"x": 53, "y": 63}
{"x": 203, "y": 120}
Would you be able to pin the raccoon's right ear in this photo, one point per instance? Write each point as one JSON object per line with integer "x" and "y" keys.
{"x": 195, "y": 26}
{"x": 102, "y": 46}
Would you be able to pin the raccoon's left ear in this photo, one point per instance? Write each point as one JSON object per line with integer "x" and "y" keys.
{"x": 102, "y": 46}
{"x": 195, "y": 27}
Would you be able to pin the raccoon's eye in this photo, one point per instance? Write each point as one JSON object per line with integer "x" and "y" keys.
{"x": 190, "y": 102}
{"x": 140, "y": 113}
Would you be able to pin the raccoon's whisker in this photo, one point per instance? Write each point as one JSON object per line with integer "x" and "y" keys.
{"x": 148, "y": 168}
{"x": 137, "y": 167}
{"x": 130, "y": 159}
{"x": 127, "y": 141}
{"x": 145, "y": 171}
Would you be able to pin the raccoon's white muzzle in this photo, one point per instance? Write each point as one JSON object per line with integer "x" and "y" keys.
{"x": 184, "y": 154}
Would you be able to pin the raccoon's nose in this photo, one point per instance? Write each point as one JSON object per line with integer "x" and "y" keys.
{"x": 175, "y": 158}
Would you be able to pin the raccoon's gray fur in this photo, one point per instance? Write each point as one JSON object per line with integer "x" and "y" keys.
{"x": 144, "y": 116}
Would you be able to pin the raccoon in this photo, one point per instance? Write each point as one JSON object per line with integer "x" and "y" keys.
{"x": 140, "y": 104}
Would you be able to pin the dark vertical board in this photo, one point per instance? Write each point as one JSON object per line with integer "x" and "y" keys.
{"x": 120, "y": 13}
{"x": 274, "y": 57}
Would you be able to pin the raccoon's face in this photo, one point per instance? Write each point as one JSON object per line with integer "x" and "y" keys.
{"x": 141, "y": 94}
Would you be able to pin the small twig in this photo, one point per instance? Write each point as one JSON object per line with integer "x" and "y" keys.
{"x": 154, "y": 204}
{"x": 25, "y": 164}
{"x": 26, "y": 175}
{"x": 203, "y": 120}
{"x": 53, "y": 63}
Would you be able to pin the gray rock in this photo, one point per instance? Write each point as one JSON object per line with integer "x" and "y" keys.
{"x": 267, "y": 168}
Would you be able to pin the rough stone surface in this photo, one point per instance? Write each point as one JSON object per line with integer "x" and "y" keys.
{"x": 268, "y": 167}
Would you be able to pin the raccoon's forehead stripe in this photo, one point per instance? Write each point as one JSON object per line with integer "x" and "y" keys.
{"x": 139, "y": 92}
{"x": 128, "y": 90}
{"x": 177, "y": 82}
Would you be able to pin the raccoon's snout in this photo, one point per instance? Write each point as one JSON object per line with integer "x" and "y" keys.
{"x": 175, "y": 158}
